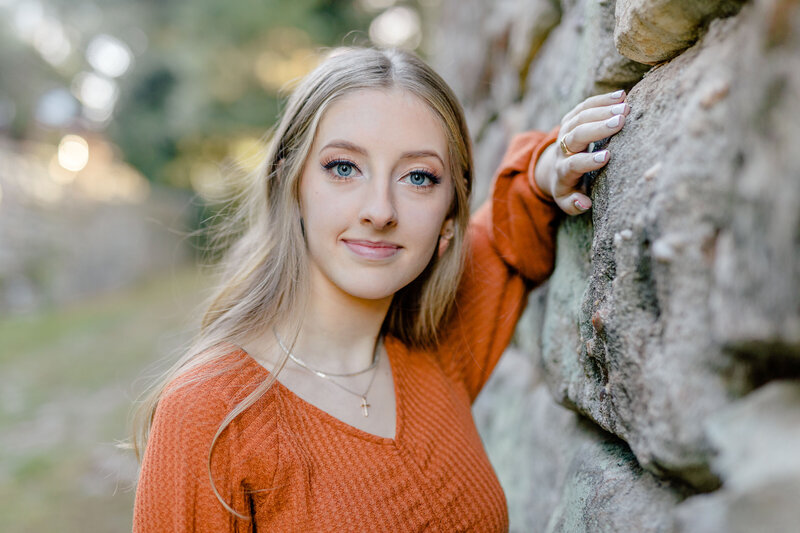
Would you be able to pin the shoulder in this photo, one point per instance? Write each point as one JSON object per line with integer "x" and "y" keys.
{"x": 194, "y": 457}
{"x": 199, "y": 399}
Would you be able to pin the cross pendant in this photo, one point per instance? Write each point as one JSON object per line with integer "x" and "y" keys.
{"x": 364, "y": 405}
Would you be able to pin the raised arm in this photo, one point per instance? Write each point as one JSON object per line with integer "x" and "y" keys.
{"x": 512, "y": 236}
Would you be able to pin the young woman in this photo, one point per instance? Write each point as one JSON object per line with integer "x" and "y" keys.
{"x": 360, "y": 312}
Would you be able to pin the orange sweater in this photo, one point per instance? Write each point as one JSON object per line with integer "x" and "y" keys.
{"x": 293, "y": 467}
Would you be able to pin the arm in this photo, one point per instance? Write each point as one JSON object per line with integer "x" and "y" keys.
{"x": 511, "y": 250}
{"x": 512, "y": 237}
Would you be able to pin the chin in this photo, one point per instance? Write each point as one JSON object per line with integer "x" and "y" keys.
{"x": 368, "y": 291}
{"x": 372, "y": 287}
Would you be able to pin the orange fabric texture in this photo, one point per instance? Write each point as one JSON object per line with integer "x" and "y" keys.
{"x": 293, "y": 467}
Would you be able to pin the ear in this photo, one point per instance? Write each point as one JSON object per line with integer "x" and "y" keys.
{"x": 446, "y": 235}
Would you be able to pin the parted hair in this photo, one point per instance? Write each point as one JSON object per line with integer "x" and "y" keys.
{"x": 263, "y": 269}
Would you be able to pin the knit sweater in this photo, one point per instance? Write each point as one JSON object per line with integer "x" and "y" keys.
{"x": 291, "y": 466}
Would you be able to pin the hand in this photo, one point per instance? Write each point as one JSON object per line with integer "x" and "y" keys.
{"x": 558, "y": 173}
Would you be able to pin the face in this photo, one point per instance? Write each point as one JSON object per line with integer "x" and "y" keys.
{"x": 374, "y": 193}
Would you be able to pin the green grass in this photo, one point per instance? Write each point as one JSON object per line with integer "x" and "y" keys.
{"x": 67, "y": 380}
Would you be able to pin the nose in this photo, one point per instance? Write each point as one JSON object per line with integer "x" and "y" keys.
{"x": 378, "y": 207}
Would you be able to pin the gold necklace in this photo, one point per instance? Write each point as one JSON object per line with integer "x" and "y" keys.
{"x": 328, "y": 374}
{"x": 375, "y": 358}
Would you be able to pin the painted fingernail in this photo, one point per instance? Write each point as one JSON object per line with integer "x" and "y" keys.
{"x": 599, "y": 157}
{"x": 613, "y": 122}
{"x": 577, "y": 203}
{"x": 618, "y": 109}
{"x": 617, "y": 94}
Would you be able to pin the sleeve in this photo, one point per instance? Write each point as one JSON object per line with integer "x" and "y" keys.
{"x": 174, "y": 491}
{"x": 511, "y": 251}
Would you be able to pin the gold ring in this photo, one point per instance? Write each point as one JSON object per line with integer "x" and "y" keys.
{"x": 564, "y": 150}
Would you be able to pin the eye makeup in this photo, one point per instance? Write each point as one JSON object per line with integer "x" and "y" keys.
{"x": 341, "y": 169}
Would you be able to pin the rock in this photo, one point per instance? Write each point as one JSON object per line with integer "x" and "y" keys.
{"x": 771, "y": 509}
{"x": 707, "y": 271}
{"x": 577, "y": 60}
{"x": 758, "y": 314}
{"x": 756, "y": 441}
{"x": 571, "y": 477}
{"x": 652, "y": 31}
{"x": 605, "y": 490}
{"x": 483, "y": 49}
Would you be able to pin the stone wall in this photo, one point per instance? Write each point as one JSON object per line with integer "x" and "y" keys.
{"x": 654, "y": 383}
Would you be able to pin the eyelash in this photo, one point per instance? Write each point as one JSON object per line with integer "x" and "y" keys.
{"x": 330, "y": 165}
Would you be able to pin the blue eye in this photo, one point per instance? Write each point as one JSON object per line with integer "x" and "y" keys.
{"x": 417, "y": 178}
{"x": 340, "y": 168}
{"x": 422, "y": 179}
{"x": 343, "y": 169}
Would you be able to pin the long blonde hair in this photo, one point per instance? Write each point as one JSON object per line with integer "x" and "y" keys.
{"x": 263, "y": 269}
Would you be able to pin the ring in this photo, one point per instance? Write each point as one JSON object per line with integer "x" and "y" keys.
{"x": 564, "y": 150}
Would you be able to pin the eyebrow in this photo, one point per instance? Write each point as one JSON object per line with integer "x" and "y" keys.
{"x": 414, "y": 154}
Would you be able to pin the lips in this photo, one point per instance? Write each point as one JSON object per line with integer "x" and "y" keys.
{"x": 372, "y": 249}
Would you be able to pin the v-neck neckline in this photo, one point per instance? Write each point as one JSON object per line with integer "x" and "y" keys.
{"x": 318, "y": 412}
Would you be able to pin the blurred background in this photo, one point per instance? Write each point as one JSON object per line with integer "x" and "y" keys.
{"x": 118, "y": 121}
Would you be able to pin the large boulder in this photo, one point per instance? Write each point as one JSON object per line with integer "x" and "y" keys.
{"x": 652, "y": 31}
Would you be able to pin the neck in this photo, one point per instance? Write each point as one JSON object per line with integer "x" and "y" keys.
{"x": 339, "y": 332}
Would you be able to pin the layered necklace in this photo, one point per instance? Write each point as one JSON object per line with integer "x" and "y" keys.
{"x": 329, "y": 375}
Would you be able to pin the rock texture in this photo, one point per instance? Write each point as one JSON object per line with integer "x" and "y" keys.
{"x": 651, "y": 31}
{"x": 673, "y": 316}
{"x": 756, "y": 441}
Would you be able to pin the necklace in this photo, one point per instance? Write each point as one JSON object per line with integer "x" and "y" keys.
{"x": 375, "y": 358}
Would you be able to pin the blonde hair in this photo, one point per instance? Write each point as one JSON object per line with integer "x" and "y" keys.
{"x": 264, "y": 265}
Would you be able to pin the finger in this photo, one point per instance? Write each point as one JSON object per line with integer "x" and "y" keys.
{"x": 595, "y": 114}
{"x": 596, "y": 101}
{"x": 579, "y": 138}
{"x": 571, "y": 170}
{"x": 579, "y": 164}
{"x": 575, "y": 204}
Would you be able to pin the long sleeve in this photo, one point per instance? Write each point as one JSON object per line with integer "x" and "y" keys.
{"x": 174, "y": 492}
{"x": 512, "y": 250}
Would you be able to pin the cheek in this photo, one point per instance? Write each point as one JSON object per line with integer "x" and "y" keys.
{"x": 320, "y": 209}
{"x": 426, "y": 226}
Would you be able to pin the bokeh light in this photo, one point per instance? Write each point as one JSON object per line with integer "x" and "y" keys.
{"x": 397, "y": 27}
{"x": 73, "y": 153}
{"x": 275, "y": 70}
{"x": 51, "y": 41}
{"x": 247, "y": 152}
{"x": 206, "y": 180}
{"x": 97, "y": 93}
{"x": 27, "y": 17}
{"x": 56, "y": 108}
{"x": 108, "y": 55}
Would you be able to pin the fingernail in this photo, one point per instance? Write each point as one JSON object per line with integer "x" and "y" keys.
{"x": 577, "y": 203}
{"x": 599, "y": 157}
{"x": 613, "y": 122}
{"x": 618, "y": 109}
{"x": 617, "y": 94}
